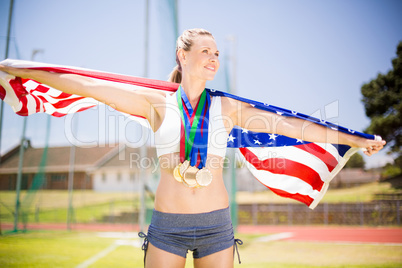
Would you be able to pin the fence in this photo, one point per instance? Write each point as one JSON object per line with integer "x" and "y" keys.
{"x": 385, "y": 212}
{"x": 123, "y": 208}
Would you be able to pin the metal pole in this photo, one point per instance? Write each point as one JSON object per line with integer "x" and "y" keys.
{"x": 70, "y": 187}
{"x": 19, "y": 175}
{"x": 143, "y": 149}
{"x": 231, "y": 80}
{"x": 146, "y": 39}
{"x": 142, "y": 212}
{"x": 10, "y": 15}
{"x": 70, "y": 211}
{"x": 176, "y": 19}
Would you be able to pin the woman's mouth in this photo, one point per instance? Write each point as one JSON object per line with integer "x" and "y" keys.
{"x": 211, "y": 68}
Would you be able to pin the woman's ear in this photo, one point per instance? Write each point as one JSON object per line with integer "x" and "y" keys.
{"x": 181, "y": 54}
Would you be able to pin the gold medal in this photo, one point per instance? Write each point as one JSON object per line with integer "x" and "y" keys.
{"x": 204, "y": 177}
{"x": 189, "y": 176}
{"x": 183, "y": 167}
{"x": 176, "y": 173}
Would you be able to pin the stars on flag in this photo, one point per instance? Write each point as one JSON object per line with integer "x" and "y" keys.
{"x": 299, "y": 140}
{"x": 280, "y": 113}
{"x": 231, "y": 138}
{"x": 257, "y": 142}
{"x": 243, "y": 130}
{"x": 272, "y": 136}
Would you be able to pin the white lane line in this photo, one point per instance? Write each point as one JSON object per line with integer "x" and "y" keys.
{"x": 98, "y": 256}
{"x": 120, "y": 242}
{"x": 134, "y": 243}
{"x": 118, "y": 235}
{"x": 274, "y": 237}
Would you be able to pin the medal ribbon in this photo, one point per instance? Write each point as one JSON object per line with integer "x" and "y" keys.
{"x": 193, "y": 127}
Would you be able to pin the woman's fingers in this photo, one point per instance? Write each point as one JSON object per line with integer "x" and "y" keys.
{"x": 374, "y": 146}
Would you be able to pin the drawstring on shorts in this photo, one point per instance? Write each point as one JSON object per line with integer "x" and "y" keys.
{"x": 237, "y": 241}
{"x": 144, "y": 246}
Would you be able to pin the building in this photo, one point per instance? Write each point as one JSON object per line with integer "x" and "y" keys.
{"x": 109, "y": 168}
{"x": 121, "y": 170}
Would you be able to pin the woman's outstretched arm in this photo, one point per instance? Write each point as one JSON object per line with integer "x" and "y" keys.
{"x": 246, "y": 116}
{"x": 138, "y": 102}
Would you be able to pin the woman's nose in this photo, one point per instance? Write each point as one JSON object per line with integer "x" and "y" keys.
{"x": 213, "y": 58}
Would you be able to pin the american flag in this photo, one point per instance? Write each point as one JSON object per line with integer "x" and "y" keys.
{"x": 290, "y": 167}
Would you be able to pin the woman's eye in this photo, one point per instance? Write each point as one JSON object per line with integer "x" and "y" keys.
{"x": 217, "y": 54}
{"x": 205, "y": 51}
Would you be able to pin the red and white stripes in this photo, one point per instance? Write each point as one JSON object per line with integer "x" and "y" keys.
{"x": 300, "y": 172}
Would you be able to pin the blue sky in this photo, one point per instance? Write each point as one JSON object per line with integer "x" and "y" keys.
{"x": 310, "y": 56}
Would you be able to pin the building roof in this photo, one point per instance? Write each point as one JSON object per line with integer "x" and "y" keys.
{"x": 127, "y": 158}
{"x": 58, "y": 159}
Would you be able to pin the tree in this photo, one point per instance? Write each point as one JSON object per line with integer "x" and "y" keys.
{"x": 382, "y": 101}
{"x": 355, "y": 161}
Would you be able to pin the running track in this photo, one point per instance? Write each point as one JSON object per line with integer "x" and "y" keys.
{"x": 386, "y": 235}
{"x": 382, "y": 235}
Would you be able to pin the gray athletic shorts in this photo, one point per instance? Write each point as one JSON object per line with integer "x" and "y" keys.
{"x": 203, "y": 233}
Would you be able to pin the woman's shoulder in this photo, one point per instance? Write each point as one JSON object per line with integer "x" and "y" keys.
{"x": 229, "y": 104}
{"x": 230, "y": 108}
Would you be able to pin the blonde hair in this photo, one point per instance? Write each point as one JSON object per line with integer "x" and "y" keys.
{"x": 185, "y": 41}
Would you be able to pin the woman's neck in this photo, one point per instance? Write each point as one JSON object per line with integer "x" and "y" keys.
{"x": 193, "y": 89}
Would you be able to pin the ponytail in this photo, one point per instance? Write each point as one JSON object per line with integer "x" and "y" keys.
{"x": 175, "y": 75}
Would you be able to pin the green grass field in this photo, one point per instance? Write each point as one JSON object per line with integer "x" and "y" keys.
{"x": 70, "y": 249}
{"x": 50, "y": 206}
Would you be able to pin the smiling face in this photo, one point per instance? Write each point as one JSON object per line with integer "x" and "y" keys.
{"x": 202, "y": 60}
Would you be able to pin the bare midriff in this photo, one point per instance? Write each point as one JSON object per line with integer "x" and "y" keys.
{"x": 175, "y": 197}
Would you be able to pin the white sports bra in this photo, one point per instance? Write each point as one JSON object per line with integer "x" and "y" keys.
{"x": 167, "y": 137}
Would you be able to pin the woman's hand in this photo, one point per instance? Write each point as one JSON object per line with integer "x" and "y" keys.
{"x": 370, "y": 146}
